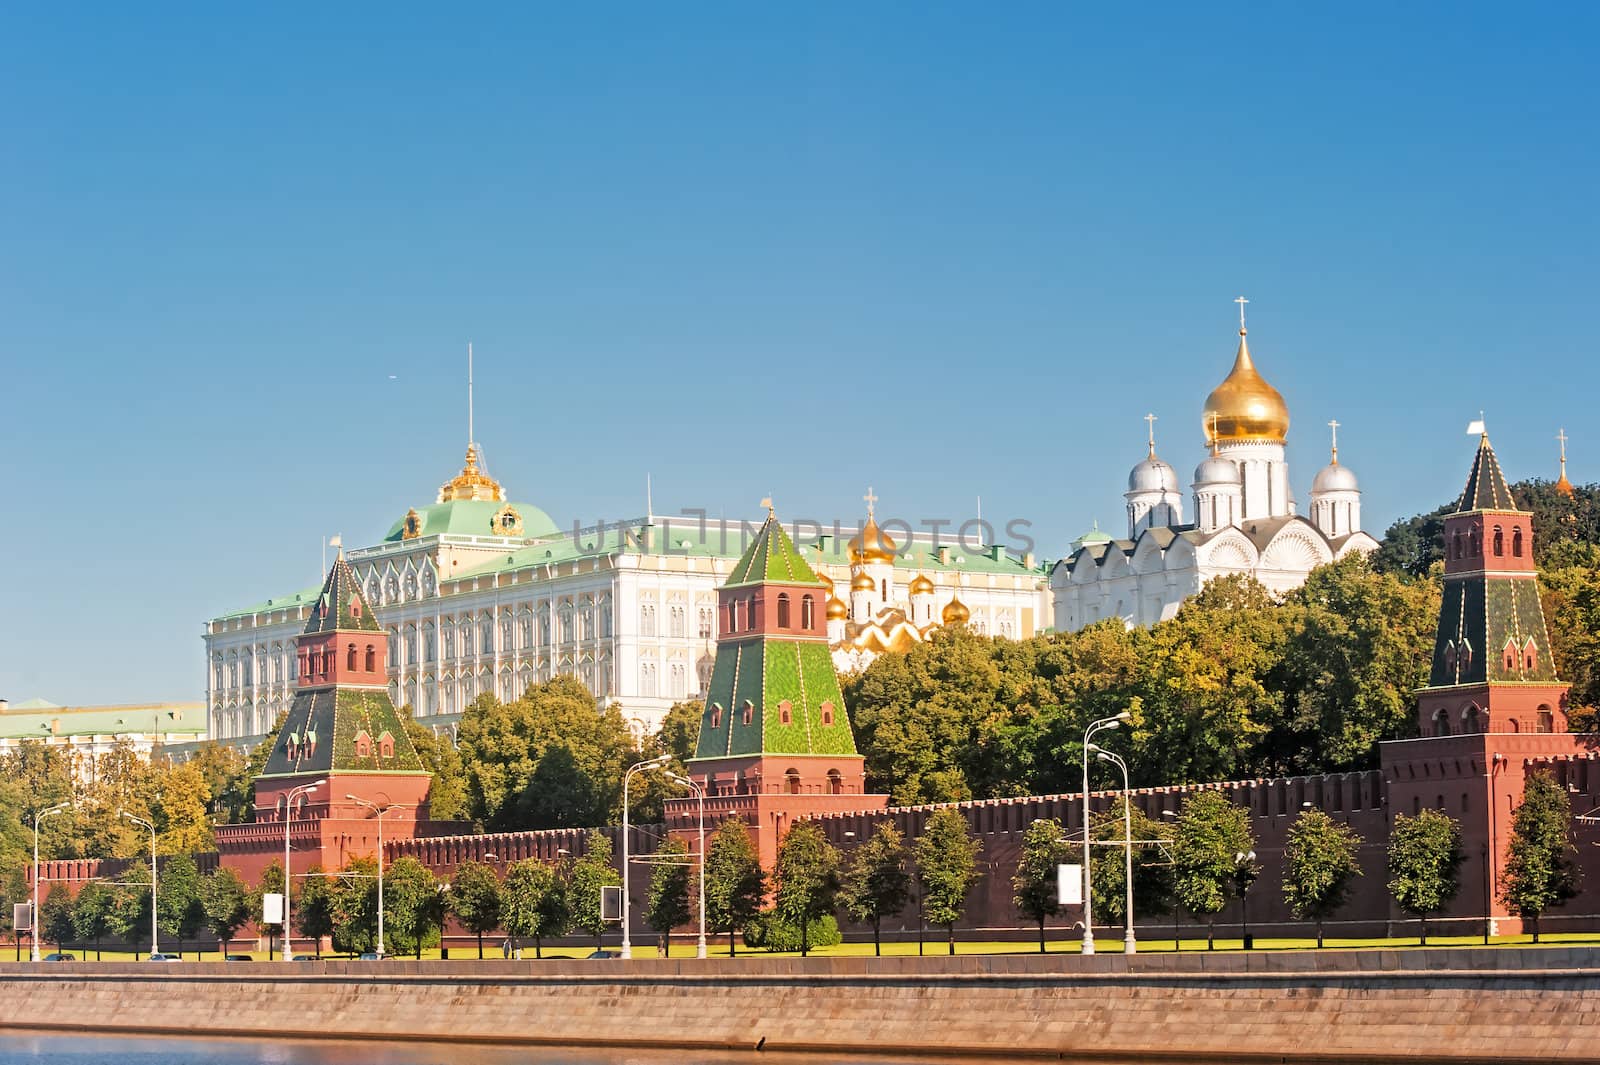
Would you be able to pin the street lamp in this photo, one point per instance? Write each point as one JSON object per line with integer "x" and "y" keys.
{"x": 1130, "y": 945}
{"x": 1244, "y": 874}
{"x": 627, "y": 778}
{"x": 288, "y": 880}
{"x": 155, "y": 947}
{"x": 1103, "y": 724}
{"x": 699, "y": 793}
{"x": 378, "y": 812}
{"x": 1177, "y": 942}
{"x": 37, "y": 817}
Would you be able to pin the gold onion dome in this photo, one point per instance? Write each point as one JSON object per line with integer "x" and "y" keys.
{"x": 955, "y": 612}
{"x": 921, "y": 585}
{"x": 863, "y": 582}
{"x": 1244, "y": 406}
{"x": 872, "y": 544}
{"x": 838, "y": 610}
{"x": 471, "y": 483}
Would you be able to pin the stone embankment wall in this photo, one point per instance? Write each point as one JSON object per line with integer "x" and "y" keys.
{"x": 1520, "y": 1005}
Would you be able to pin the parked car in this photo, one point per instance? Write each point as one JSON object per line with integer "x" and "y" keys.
{"x": 603, "y": 955}
{"x": 370, "y": 955}
{"x": 60, "y": 957}
{"x": 305, "y": 957}
{"x": 237, "y": 957}
{"x": 163, "y": 957}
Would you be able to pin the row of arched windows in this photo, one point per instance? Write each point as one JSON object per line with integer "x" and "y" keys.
{"x": 742, "y": 613}
{"x": 1463, "y": 545}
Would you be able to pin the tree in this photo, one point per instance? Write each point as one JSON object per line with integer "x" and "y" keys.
{"x": 475, "y": 899}
{"x": 533, "y": 903}
{"x": 412, "y": 905}
{"x": 447, "y": 791}
{"x": 314, "y": 911}
{"x": 1035, "y": 881}
{"x": 180, "y": 804}
{"x": 1152, "y": 873}
{"x": 947, "y": 867}
{"x": 1206, "y": 841}
{"x": 91, "y": 913}
{"x": 355, "y": 907}
{"x": 225, "y": 901}
{"x": 1424, "y": 863}
{"x": 680, "y": 730}
{"x": 55, "y": 915}
{"x": 876, "y": 883}
{"x": 805, "y": 878}
{"x": 129, "y": 919}
{"x": 1319, "y": 866}
{"x": 1539, "y": 872}
{"x": 667, "y": 906}
{"x": 178, "y": 908}
{"x": 222, "y": 768}
{"x": 585, "y": 880}
{"x": 735, "y": 883}
{"x": 271, "y": 883}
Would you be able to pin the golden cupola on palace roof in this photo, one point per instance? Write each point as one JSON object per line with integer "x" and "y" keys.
{"x": 1244, "y": 407}
{"x": 472, "y": 483}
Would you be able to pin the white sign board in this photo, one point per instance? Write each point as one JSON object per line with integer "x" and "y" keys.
{"x": 22, "y": 916}
{"x": 272, "y": 908}
{"x": 1069, "y": 885}
{"x": 611, "y": 904}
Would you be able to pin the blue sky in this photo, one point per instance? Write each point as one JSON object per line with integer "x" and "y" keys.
{"x": 945, "y": 250}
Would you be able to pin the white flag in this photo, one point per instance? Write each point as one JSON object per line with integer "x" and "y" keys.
{"x": 1476, "y": 428}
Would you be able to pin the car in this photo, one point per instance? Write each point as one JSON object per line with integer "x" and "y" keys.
{"x": 370, "y": 955}
{"x": 60, "y": 957}
{"x": 237, "y": 957}
{"x": 305, "y": 957}
{"x": 163, "y": 957}
{"x": 603, "y": 955}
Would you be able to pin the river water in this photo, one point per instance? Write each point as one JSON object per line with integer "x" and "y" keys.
{"x": 18, "y": 1049}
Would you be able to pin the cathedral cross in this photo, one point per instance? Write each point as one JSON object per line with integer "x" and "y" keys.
{"x": 1241, "y": 301}
{"x": 1150, "y": 420}
{"x": 1334, "y": 425}
{"x": 871, "y": 500}
{"x": 1562, "y": 436}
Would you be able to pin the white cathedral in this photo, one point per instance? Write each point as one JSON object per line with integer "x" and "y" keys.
{"x": 1244, "y": 516}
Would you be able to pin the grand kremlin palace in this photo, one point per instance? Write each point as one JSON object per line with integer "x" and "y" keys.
{"x": 479, "y": 594}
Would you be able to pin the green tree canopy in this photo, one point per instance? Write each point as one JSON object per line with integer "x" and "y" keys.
{"x": 1152, "y": 872}
{"x": 585, "y": 878}
{"x": 447, "y": 792}
{"x": 947, "y": 867}
{"x": 805, "y": 878}
{"x": 475, "y": 898}
{"x": 178, "y": 907}
{"x": 1320, "y": 864}
{"x": 55, "y": 916}
{"x": 354, "y": 907}
{"x": 1539, "y": 871}
{"x": 667, "y": 906}
{"x": 735, "y": 883}
{"x": 1206, "y": 841}
{"x": 1035, "y": 882}
{"x": 91, "y": 913}
{"x": 413, "y": 906}
{"x": 314, "y": 907}
{"x": 876, "y": 883}
{"x": 1424, "y": 863}
{"x": 225, "y": 902}
{"x": 533, "y": 903}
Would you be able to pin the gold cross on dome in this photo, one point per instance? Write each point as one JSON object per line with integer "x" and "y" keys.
{"x": 871, "y": 501}
{"x": 1241, "y": 301}
{"x": 1562, "y": 436}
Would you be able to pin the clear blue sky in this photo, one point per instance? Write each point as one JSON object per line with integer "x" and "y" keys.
{"x": 947, "y": 250}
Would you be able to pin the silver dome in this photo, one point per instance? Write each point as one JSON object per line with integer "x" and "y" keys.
{"x": 1334, "y": 478}
{"x": 1216, "y": 470}
{"x": 1153, "y": 475}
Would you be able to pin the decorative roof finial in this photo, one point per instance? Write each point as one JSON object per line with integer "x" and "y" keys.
{"x": 1241, "y": 301}
{"x": 1334, "y": 425}
{"x": 767, "y": 502}
{"x": 1150, "y": 420}
{"x": 871, "y": 501}
{"x": 1563, "y": 485}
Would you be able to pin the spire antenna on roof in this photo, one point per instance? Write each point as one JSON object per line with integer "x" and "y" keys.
{"x": 1241, "y": 301}
{"x": 471, "y": 437}
{"x": 649, "y": 503}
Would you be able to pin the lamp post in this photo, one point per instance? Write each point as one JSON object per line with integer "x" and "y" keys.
{"x": 699, "y": 794}
{"x": 1103, "y": 724}
{"x": 37, "y": 817}
{"x": 1130, "y": 945}
{"x": 1177, "y": 942}
{"x": 1244, "y": 874}
{"x": 627, "y": 779}
{"x": 155, "y": 947}
{"x": 288, "y": 880}
{"x": 378, "y": 812}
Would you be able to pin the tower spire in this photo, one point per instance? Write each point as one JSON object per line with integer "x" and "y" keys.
{"x": 1563, "y": 485}
{"x": 472, "y": 438}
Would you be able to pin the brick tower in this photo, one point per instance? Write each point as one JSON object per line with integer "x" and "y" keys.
{"x": 1493, "y": 704}
{"x": 342, "y": 729}
{"x": 775, "y": 738}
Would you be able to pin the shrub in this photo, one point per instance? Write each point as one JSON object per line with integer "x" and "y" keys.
{"x": 768, "y": 931}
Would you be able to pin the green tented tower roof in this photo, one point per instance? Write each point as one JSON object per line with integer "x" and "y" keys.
{"x": 1486, "y": 486}
{"x": 340, "y": 605}
{"x": 772, "y": 557}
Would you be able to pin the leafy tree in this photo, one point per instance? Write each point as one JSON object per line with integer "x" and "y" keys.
{"x": 947, "y": 867}
{"x": 355, "y": 907}
{"x": 805, "y": 878}
{"x": 412, "y": 906}
{"x": 680, "y": 730}
{"x": 222, "y": 769}
{"x": 668, "y": 904}
{"x": 271, "y": 883}
{"x": 129, "y": 919}
{"x": 1152, "y": 873}
{"x": 1412, "y": 545}
{"x": 1206, "y": 840}
{"x": 178, "y": 908}
{"x": 91, "y": 913}
{"x": 1539, "y": 872}
{"x": 314, "y": 909}
{"x": 237, "y": 796}
{"x": 735, "y": 883}
{"x": 1424, "y": 863}
{"x": 1570, "y": 595}
{"x": 1035, "y": 881}
{"x": 876, "y": 884}
{"x": 1319, "y": 867}
{"x": 225, "y": 901}
{"x": 475, "y": 899}
{"x": 585, "y": 879}
{"x": 447, "y": 792}
{"x": 533, "y": 903}
{"x": 55, "y": 915}
{"x": 180, "y": 805}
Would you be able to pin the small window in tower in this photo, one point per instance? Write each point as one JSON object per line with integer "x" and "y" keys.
{"x": 785, "y": 712}
{"x": 1530, "y": 655}
{"x": 1510, "y": 655}
{"x": 783, "y": 610}
{"x": 327, "y": 661}
{"x": 372, "y": 658}
{"x": 1546, "y": 720}
{"x": 807, "y": 613}
{"x": 749, "y": 712}
{"x": 386, "y": 746}
{"x": 1455, "y": 544}
{"x": 835, "y": 782}
{"x": 1464, "y": 655}
{"x": 1516, "y": 543}
{"x": 791, "y": 782}
{"x": 355, "y": 607}
{"x": 1450, "y": 656}
{"x": 827, "y": 713}
{"x": 716, "y": 715}
{"x": 1476, "y": 543}
{"x": 363, "y": 744}
{"x": 1499, "y": 541}
{"x": 350, "y": 659}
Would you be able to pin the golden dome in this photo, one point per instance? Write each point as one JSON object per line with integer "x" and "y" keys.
{"x": 921, "y": 585}
{"x": 863, "y": 582}
{"x": 955, "y": 612}
{"x": 872, "y": 544}
{"x": 838, "y": 610}
{"x": 1244, "y": 406}
{"x": 827, "y": 581}
{"x": 472, "y": 483}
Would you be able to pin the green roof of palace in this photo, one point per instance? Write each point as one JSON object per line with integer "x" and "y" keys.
{"x": 42, "y": 723}
{"x": 772, "y": 557}
{"x": 472, "y": 517}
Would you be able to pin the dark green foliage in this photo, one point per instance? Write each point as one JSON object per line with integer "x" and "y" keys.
{"x": 1152, "y": 872}
{"x": 735, "y": 883}
{"x": 413, "y": 907}
{"x": 354, "y": 908}
{"x": 680, "y": 731}
{"x": 178, "y": 908}
{"x": 91, "y": 914}
{"x": 805, "y": 878}
{"x": 1424, "y": 863}
{"x": 1539, "y": 872}
{"x": 585, "y": 878}
{"x": 314, "y": 907}
{"x": 876, "y": 884}
{"x": 475, "y": 899}
{"x": 668, "y": 904}
{"x": 447, "y": 792}
{"x": 1319, "y": 866}
{"x": 55, "y": 916}
{"x": 947, "y": 867}
{"x": 225, "y": 902}
{"x": 1035, "y": 881}
{"x": 1206, "y": 841}
{"x": 533, "y": 903}
{"x": 769, "y": 931}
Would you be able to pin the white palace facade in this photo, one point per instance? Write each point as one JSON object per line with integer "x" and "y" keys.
{"x": 1243, "y": 517}
{"x": 483, "y": 595}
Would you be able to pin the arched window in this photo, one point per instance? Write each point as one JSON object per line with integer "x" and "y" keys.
{"x": 1516, "y": 543}
{"x": 1510, "y": 656}
{"x": 807, "y": 612}
{"x": 783, "y": 610}
{"x": 1471, "y": 720}
{"x": 785, "y": 712}
{"x": 1499, "y": 542}
{"x": 835, "y": 782}
{"x": 1455, "y": 545}
{"x": 386, "y": 746}
{"x": 827, "y": 713}
{"x": 1466, "y": 802}
{"x": 1546, "y": 720}
{"x": 327, "y": 661}
{"x": 749, "y": 712}
{"x": 1438, "y": 802}
{"x": 750, "y": 613}
{"x": 350, "y": 659}
{"x": 1530, "y": 655}
{"x": 791, "y": 782}
{"x": 733, "y": 616}
{"x": 1441, "y": 722}
{"x": 363, "y": 744}
{"x": 372, "y": 659}
{"x": 1475, "y": 541}
{"x": 716, "y": 715}
{"x": 1515, "y": 727}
